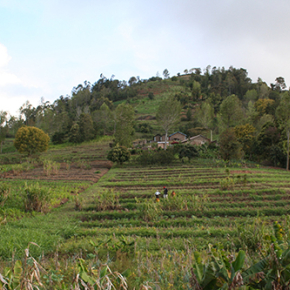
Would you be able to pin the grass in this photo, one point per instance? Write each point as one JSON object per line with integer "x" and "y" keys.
{"x": 119, "y": 234}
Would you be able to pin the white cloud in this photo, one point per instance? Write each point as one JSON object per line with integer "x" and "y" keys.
{"x": 14, "y": 91}
{"x": 6, "y": 78}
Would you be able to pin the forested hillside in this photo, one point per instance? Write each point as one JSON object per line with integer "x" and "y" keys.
{"x": 213, "y": 101}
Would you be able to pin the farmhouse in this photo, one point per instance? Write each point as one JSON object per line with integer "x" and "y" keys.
{"x": 157, "y": 138}
{"x": 177, "y": 136}
{"x": 197, "y": 140}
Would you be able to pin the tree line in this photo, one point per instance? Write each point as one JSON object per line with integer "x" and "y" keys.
{"x": 213, "y": 100}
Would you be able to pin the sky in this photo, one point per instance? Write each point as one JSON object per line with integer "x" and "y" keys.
{"x": 47, "y": 47}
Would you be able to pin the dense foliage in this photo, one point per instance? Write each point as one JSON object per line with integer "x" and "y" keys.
{"x": 119, "y": 154}
{"x": 31, "y": 140}
{"x": 211, "y": 101}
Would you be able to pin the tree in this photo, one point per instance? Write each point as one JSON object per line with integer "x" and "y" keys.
{"x": 166, "y": 73}
{"x": 31, "y": 140}
{"x": 196, "y": 90}
{"x": 119, "y": 154}
{"x": 230, "y": 148}
{"x": 3, "y": 128}
{"x": 251, "y": 95}
{"x": 245, "y": 135}
{"x": 168, "y": 114}
{"x": 150, "y": 96}
{"x": 205, "y": 115}
{"x": 87, "y": 131}
{"x": 106, "y": 118}
{"x": 231, "y": 111}
{"x": 263, "y": 106}
{"x": 283, "y": 113}
{"x": 74, "y": 134}
{"x": 124, "y": 124}
{"x": 132, "y": 81}
{"x": 187, "y": 151}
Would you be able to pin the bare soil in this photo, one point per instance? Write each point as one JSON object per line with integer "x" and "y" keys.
{"x": 97, "y": 169}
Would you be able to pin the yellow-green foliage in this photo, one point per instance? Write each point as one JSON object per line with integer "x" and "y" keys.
{"x": 31, "y": 140}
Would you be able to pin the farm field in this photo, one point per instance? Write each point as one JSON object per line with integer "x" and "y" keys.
{"x": 102, "y": 217}
{"x": 207, "y": 206}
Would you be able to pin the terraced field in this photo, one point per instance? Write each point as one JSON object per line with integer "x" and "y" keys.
{"x": 212, "y": 205}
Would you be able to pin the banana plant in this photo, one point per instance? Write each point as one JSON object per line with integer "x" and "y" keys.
{"x": 218, "y": 273}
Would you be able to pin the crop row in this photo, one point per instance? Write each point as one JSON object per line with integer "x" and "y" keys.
{"x": 177, "y": 222}
{"x": 222, "y": 212}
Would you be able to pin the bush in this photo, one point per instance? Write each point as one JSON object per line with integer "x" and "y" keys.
{"x": 119, "y": 154}
{"x": 160, "y": 157}
{"x": 31, "y": 140}
{"x": 36, "y": 198}
{"x": 58, "y": 138}
{"x": 187, "y": 151}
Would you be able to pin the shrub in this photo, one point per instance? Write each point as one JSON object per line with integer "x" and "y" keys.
{"x": 187, "y": 151}
{"x": 119, "y": 154}
{"x": 31, "y": 140}
{"x": 160, "y": 157}
{"x": 36, "y": 197}
{"x": 58, "y": 138}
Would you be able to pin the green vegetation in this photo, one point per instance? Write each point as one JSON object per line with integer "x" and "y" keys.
{"x": 67, "y": 222}
{"x": 119, "y": 154}
{"x": 31, "y": 140}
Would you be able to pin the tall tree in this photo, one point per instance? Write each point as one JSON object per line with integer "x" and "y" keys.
{"x": 168, "y": 114}
{"x": 166, "y": 73}
{"x": 283, "y": 113}
{"x": 124, "y": 122}
{"x": 87, "y": 131}
{"x": 205, "y": 115}
{"x": 231, "y": 111}
{"x": 3, "y": 127}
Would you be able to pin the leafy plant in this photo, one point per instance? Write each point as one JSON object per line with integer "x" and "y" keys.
{"x": 149, "y": 210}
{"x": 5, "y": 190}
{"x": 107, "y": 199}
{"x": 31, "y": 140}
{"x": 119, "y": 154}
{"x": 36, "y": 197}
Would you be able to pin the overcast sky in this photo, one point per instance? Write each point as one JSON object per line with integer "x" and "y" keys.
{"x": 49, "y": 46}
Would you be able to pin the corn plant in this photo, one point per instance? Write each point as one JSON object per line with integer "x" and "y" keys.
{"x": 107, "y": 200}
{"x": 78, "y": 203}
{"x": 47, "y": 166}
{"x": 5, "y": 190}
{"x": 36, "y": 197}
{"x": 150, "y": 210}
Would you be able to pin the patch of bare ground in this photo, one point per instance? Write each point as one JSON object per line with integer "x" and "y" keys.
{"x": 93, "y": 172}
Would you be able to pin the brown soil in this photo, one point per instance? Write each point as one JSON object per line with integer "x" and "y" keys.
{"x": 240, "y": 171}
{"x": 97, "y": 169}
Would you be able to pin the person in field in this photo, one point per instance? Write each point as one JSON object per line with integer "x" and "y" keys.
{"x": 173, "y": 193}
{"x": 165, "y": 192}
{"x": 157, "y": 195}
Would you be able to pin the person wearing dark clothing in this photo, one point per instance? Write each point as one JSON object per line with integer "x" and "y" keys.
{"x": 165, "y": 192}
